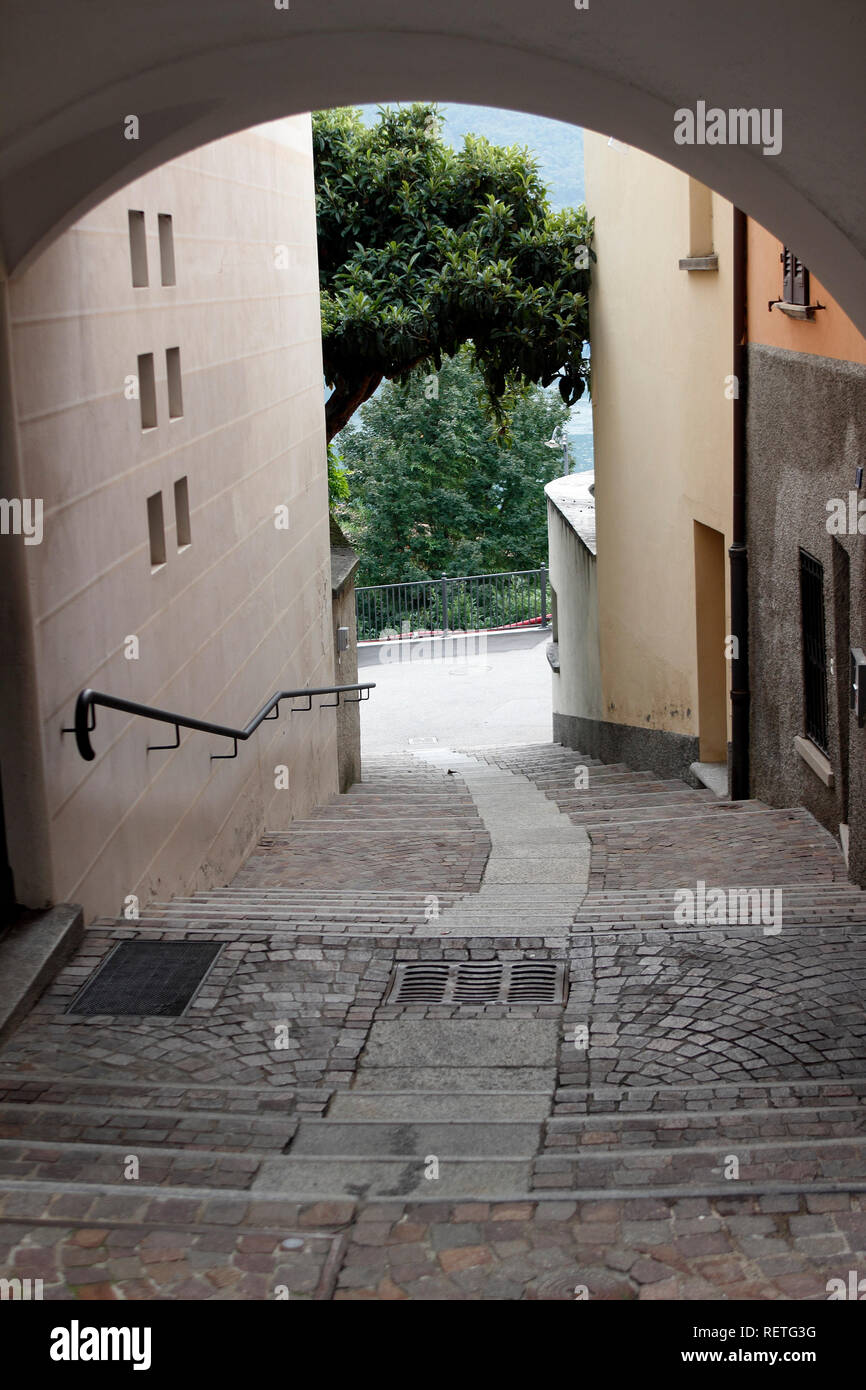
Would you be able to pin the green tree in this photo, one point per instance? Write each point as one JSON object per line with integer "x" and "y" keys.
{"x": 424, "y": 249}
{"x": 433, "y": 488}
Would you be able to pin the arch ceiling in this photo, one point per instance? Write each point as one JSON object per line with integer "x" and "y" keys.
{"x": 196, "y": 70}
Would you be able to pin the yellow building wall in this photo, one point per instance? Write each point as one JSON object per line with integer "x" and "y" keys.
{"x": 662, "y": 416}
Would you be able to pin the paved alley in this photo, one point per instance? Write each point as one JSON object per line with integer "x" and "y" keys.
{"x": 455, "y": 1040}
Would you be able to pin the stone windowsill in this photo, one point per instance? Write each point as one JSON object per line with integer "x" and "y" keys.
{"x": 816, "y": 760}
{"x": 804, "y": 312}
{"x": 699, "y": 263}
{"x": 552, "y": 653}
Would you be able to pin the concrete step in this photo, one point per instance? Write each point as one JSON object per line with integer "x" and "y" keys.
{"x": 410, "y": 1107}
{"x": 473, "y": 1138}
{"x": 462, "y": 1080}
{"x": 569, "y": 869}
{"x": 304, "y": 1179}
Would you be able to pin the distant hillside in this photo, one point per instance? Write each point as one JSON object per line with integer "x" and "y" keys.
{"x": 557, "y": 147}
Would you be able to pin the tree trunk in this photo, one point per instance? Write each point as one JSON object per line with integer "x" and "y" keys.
{"x": 342, "y": 404}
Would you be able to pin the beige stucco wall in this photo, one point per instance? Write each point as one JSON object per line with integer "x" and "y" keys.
{"x": 245, "y": 609}
{"x": 661, "y": 352}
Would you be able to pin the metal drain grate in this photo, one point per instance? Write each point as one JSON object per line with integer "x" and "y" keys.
{"x": 147, "y": 977}
{"x": 478, "y": 982}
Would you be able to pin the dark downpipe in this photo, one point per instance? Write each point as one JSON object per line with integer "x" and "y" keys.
{"x": 738, "y": 553}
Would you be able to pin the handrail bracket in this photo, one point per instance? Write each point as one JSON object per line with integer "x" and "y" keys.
{"x": 156, "y": 747}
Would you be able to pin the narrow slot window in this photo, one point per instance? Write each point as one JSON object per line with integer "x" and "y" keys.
{"x": 814, "y": 648}
{"x": 175, "y": 391}
{"x": 138, "y": 248}
{"x": 181, "y": 513}
{"x": 156, "y": 531}
{"x": 166, "y": 248}
{"x": 147, "y": 391}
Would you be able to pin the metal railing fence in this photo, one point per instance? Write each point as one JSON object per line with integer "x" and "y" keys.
{"x": 460, "y": 603}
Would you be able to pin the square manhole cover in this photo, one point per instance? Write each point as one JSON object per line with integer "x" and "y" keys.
{"x": 478, "y": 982}
{"x": 147, "y": 977}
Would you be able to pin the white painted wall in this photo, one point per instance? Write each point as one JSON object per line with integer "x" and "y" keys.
{"x": 573, "y": 577}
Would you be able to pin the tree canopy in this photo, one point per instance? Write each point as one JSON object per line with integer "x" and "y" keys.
{"x": 424, "y": 249}
{"x": 432, "y": 488}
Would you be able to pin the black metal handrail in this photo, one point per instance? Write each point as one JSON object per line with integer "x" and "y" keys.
{"x": 85, "y": 715}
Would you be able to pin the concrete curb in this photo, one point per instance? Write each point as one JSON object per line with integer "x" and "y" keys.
{"x": 31, "y": 953}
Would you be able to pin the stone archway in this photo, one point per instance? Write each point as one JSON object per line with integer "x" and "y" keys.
{"x": 192, "y": 74}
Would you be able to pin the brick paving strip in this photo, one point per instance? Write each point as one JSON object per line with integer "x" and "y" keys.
{"x": 642, "y": 1248}
{"x": 704, "y": 1042}
{"x": 90, "y": 1246}
{"x": 141, "y": 1246}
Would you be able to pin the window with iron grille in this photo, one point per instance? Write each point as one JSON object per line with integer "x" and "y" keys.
{"x": 795, "y": 281}
{"x": 814, "y": 648}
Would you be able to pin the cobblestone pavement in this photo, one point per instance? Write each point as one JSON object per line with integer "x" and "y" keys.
{"x": 694, "y": 1129}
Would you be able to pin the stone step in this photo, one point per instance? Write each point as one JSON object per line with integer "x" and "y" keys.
{"x": 445, "y": 792}
{"x": 618, "y": 1133}
{"x": 648, "y": 808}
{"x": 400, "y": 1177}
{"x": 626, "y": 794}
{"x": 410, "y": 1107}
{"x": 543, "y": 911}
{"x": 819, "y": 891}
{"x": 48, "y": 1086}
{"x": 849, "y": 908}
{"x": 507, "y": 912}
{"x": 702, "y": 1167}
{"x": 612, "y": 775}
{"x": 433, "y": 1080}
{"x": 108, "y": 1164}
{"x": 76, "y": 1121}
{"x": 791, "y": 912}
{"x": 306, "y": 897}
{"x": 662, "y": 922}
{"x": 268, "y": 911}
{"x": 654, "y": 810}
{"x": 472, "y": 1138}
{"x": 544, "y": 893}
{"x": 703, "y": 1097}
{"x": 569, "y": 869}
